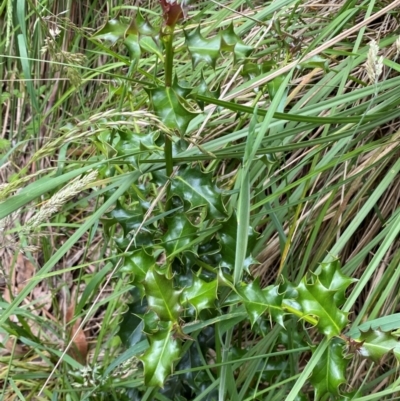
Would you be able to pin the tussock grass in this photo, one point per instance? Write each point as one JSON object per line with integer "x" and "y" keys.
{"x": 318, "y": 188}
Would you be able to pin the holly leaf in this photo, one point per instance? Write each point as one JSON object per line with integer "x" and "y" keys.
{"x": 150, "y": 322}
{"x": 128, "y": 219}
{"x": 200, "y": 294}
{"x": 197, "y": 189}
{"x": 329, "y": 374}
{"x": 316, "y": 62}
{"x": 161, "y": 296}
{"x": 174, "y": 111}
{"x": 130, "y": 329}
{"x": 251, "y": 70}
{"x": 133, "y": 146}
{"x": 316, "y": 300}
{"x": 202, "y": 49}
{"x": 111, "y": 31}
{"x": 191, "y": 359}
{"x": 138, "y": 34}
{"x": 275, "y": 368}
{"x": 182, "y": 91}
{"x": 258, "y": 301}
{"x": 274, "y": 85}
{"x": 374, "y": 344}
{"x": 230, "y": 41}
{"x": 333, "y": 279}
{"x": 138, "y": 263}
{"x": 274, "y": 299}
{"x": 203, "y": 89}
{"x": 227, "y": 238}
{"x": 148, "y": 44}
{"x": 142, "y": 26}
{"x": 132, "y": 44}
{"x": 159, "y": 358}
{"x": 180, "y": 232}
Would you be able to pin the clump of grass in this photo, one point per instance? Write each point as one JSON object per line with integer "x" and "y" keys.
{"x": 322, "y": 183}
{"x": 57, "y": 201}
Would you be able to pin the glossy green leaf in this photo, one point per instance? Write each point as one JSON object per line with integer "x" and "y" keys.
{"x": 331, "y": 277}
{"x": 180, "y": 232}
{"x": 319, "y": 301}
{"x": 229, "y": 38}
{"x": 274, "y": 85}
{"x": 132, "y": 44}
{"x": 201, "y": 294}
{"x": 111, "y": 31}
{"x": 142, "y": 26}
{"x": 329, "y": 374}
{"x": 131, "y": 145}
{"x": 201, "y": 49}
{"x": 128, "y": 219}
{"x": 149, "y": 45}
{"x": 139, "y": 34}
{"x": 193, "y": 359}
{"x": 274, "y": 368}
{"x": 130, "y": 329}
{"x": 258, "y": 301}
{"x": 131, "y": 41}
{"x": 197, "y": 189}
{"x": 227, "y": 238}
{"x": 230, "y": 41}
{"x": 138, "y": 263}
{"x": 316, "y": 62}
{"x": 180, "y": 90}
{"x": 374, "y": 344}
{"x": 251, "y": 70}
{"x": 174, "y": 111}
{"x": 159, "y": 358}
{"x": 351, "y": 395}
{"x": 203, "y": 89}
{"x": 253, "y": 300}
{"x": 150, "y": 321}
{"x": 162, "y": 298}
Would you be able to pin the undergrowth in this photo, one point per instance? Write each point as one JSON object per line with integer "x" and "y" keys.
{"x": 199, "y": 200}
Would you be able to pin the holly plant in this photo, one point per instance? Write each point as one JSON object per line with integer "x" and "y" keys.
{"x": 198, "y": 321}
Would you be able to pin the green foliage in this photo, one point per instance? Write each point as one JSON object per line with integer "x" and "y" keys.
{"x": 317, "y": 300}
{"x": 201, "y": 294}
{"x": 197, "y": 189}
{"x": 231, "y": 42}
{"x": 201, "y": 49}
{"x": 227, "y": 237}
{"x": 237, "y": 162}
{"x": 137, "y": 264}
{"x": 173, "y": 110}
{"x": 332, "y": 278}
{"x": 374, "y": 344}
{"x": 258, "y": 301}
{"x": 180, "y": 232}
{"x": 158, "y": 359}
{"x": 329, "y": 374}
{"x": 161, "y": 296}
{"x": 138, "y": 36}
{"x": 209, "y": 50}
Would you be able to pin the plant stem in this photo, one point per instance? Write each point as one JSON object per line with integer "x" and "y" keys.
{"x": 169, "y": 163}
{"x": 309, "y": 319}
{"x": 169, "y": 57}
